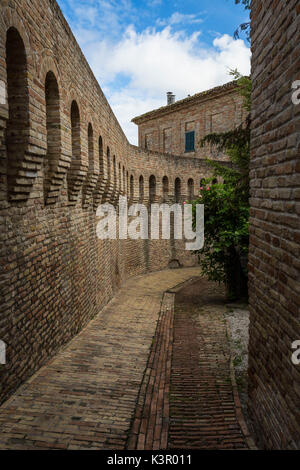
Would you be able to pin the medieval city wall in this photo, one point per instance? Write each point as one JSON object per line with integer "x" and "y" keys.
{"x": 62, "y": 153}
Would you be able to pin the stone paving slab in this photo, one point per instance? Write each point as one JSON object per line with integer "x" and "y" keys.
{"x": 85, "y": 398}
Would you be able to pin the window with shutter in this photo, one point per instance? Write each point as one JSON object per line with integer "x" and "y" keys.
{"x": 190, "y": 141}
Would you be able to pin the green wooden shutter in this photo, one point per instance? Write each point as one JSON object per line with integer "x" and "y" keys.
{"x": 190, "y": 141}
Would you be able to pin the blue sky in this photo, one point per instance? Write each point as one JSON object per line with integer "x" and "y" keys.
{"x": 139, "y": 50}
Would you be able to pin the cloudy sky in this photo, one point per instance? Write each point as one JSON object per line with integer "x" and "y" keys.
{"x": 140, "y": 49}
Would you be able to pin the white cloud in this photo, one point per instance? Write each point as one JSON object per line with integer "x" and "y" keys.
{"x": 180, "y": 18}
{"x": 86, "y": 14}
{"x": 138, "y": 70}
{"x": 177, "y": 18}
{"x": 103, "y": 17}
{"x": 129, "y": 103}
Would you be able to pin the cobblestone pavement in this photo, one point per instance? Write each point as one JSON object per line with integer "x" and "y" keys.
{"x": 86, "y": 396}
{"x": 137, "y": 377}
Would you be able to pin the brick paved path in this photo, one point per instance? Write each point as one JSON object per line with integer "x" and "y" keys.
{"x": 204, "y": 404}
{"x": 188, "y": 398}
{"x": 151, "y": 418}
{"x": 86, "y": 396}
{"x": 117, "y": 386}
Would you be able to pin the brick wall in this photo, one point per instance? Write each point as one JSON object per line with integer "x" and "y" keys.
{"x": 217, "y": 110}
{"x": 274, "y": 389}
{"x": 62, "y": 152}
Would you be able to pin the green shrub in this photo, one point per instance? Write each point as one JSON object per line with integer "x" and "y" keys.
{"x": 224, "y": 255}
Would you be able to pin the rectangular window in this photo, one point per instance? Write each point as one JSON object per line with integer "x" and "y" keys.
{"x": 148, "y": 141}
{"x": 167, "y": 137}
{"x": 190, "y": 141}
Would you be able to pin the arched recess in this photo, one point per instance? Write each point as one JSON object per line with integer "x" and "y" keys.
{"x": 115, "y": 171}
{"x": 100, "y": 154}
{"x": 141, "y": 188}
{"x": 75, "y": 131}
{"x": 131, "y": 187}
{"x": 165, "y": 184}
{"x": 190, "y": 189}
{"x": 115, "y": 180}
{"x": 108, "y": 160}
{"x": 92, "y": 176}
{"x": 120, "y": 178}
{"x": 102, "y": 176}
{"x": 152, "y": 188}
{"x": 108, "y": 188}
{"x": 17, "y": 128}
{"x": 91, "y": 146}
{"x": 75, "y": 180}
{"x": 177, "y": 189}
{"x": 53, "y": 129}
{"x": 124, "y": 180}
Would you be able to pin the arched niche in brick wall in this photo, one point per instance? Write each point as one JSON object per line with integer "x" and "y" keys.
{"x": 17, "y": 127}
{"x": 49, "y": 76}
{"x": 75, "y": 132}
{"x": 115, "y": 171}
{"x": 20, "y": 171}
{"x": 120, "y": 178}
{"x": 100, "y": 154}
{"x": 141, "y": 188}
{"x": 191, "y": 189}
{"x": 53, "y": 129}
{"x": 102, "y": 176}
{"x": 152, "y": 188}
{"x": 75, "y": 175}
{"x": 131, "y": 192}
{"x": 165, "y": 185}
{"x": 177, "y": 189}
{"x": 124, "y": 180}
{"x": 108, "y": 161}
{"x": 108, "y": 187}
{"x": 93, "y": 170}
{"x": 91, "y": 146}
{"x": 115, "y": 181}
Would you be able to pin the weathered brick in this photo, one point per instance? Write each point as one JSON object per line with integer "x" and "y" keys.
{"x": 274, "y": 250}
{"x": 62, "y": 153}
